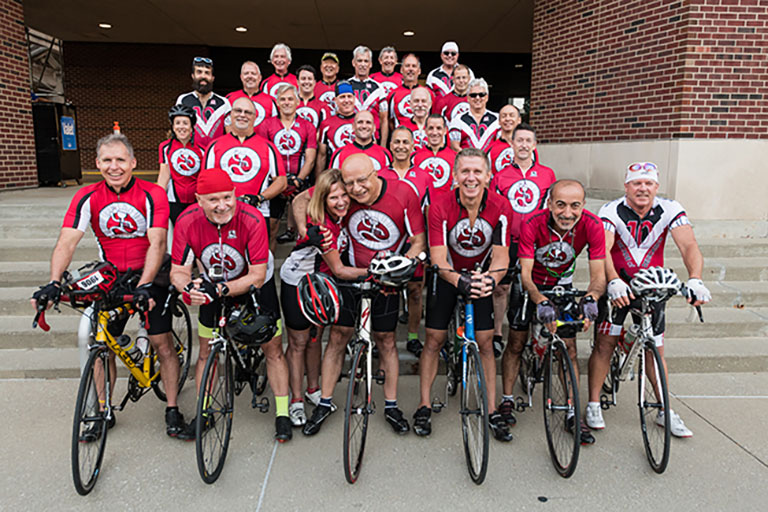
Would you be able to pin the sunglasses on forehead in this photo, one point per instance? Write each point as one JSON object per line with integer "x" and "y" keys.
{"x": 202, "y": 61}
{"x": 477, "y": 94}
{"x": 643, "y": 166}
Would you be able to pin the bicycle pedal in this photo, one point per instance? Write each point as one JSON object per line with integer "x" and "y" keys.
{"x": 437, "y": 405}
{"x": 379, "y": 377}
{"x": 606, "y": 403}
{"x": 262, "y": 406}
{"x": 521, "y": 405}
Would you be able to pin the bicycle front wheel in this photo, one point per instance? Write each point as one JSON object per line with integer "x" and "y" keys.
{"x": 653, "y": 403}
{"x": 356, "y": 415}
{"x": 474, "y": 416}
{"x": 561, "y": 410}
{"x": 215, "y": 404}
{"x": 181, "y": 337}
{"x": 89, "y": 431}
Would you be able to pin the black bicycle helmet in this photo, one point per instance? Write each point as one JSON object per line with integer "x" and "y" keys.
{"x": 319, "y": 298}
{"x": 249, "y": 328}
{"x": 182, "y": 110}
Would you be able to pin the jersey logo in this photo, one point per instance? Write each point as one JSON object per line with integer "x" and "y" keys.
{"x": 342, "y": 242}
{"x": 327, "y": 98}
{"x": 438, "y": 168}
{"x": 388, "y": 87}
{"x": 343, "y": 135}
{"x": 470, "y": 241}
{"x": 273, "y": 89}
{"x": 524, "y": 196}
{"x": 404, "y": 107}
{"x": 241, "y": 163}
{"x": 373, "y": 229}
{"x": 122, "y": 220}
{"x": 419, "y": 139}
{"x": 261, "y": 114}
{"x": 308, "y": 114}
{"x": 376, "y": 164}
{"x": 288, "y": 142}
{"x": 232, "y": 260}
{"x": 555, "y": 254}
{"x": 504, "y": 159}
{"x": 185, "y": 161}
{"x": 459, "y": 110}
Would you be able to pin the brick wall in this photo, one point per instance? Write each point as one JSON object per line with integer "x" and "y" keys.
{"x": 648, "y": 69}
{"x": 18, "y": 167}
{"x": 134, "y": 84}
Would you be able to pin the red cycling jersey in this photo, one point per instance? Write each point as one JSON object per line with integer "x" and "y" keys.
{"x": 263, "y": 103}
{"x": 471, "y": 134}
{"x": 390, "y": 82}
{"x": 244, "y": 240}
{"x": 313, "y": 110}
{"x": 555, "y": 255}
{"x": 400, "y": 103}
{"x": 525, "y": 190}
{"x": 326, "y": 92}
{"x": 336, "y": 132}
{"x": 252, "y": 164}
{"x": 419, "y": 133}
{"x": 451, "y": 106}
{"x": 420, "y": 181}
{"x": 184, "y": 161}
{"x": 500, "y": 154}
{"x": 120, "y": 221}
{"x": 291, "y": 142}
{"x": 438, "y": 164}
{"x": 385, "y": 225}
{"x": 380, "y": 156}
{"x": 467, "y": 244}
{"x": 274, "y": 81}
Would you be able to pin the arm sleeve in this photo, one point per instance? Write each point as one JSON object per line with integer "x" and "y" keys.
{"x": 163, "y": 153}
{"x": 276, "y": 162}
{"x": 181, "y": 251}
{"x": 209, "y": 160}
{"x": 414, "y": 217}
{"x": 436, "y": 226}
{"x": 595, "y": 238}
{"x": 158, "y": 208}
{"x": 258, "y": 241}
{"x": 78, "y": 214}
{"x": 525, "y": 248}
{"x": 501, "y": 233}
{"x": 311, "y": 134}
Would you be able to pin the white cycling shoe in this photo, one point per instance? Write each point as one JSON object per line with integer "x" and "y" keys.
{"x": 677, "y": 427}
{"x": 594, "y": 417}
{"x": 297, "y": 414}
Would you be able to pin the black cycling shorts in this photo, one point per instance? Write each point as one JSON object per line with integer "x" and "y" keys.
{"x": 613, "y": 327}
{"x": 442, "y": 300}
{"x": 159, "y": 323}
{"x": 294, "y": 319}
{"x": 209, "y": 313}
{"x": 277, "y": 207}
{"x": 384, "y": 310}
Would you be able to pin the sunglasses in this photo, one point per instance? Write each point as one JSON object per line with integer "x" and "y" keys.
{"x": 643, "y": 166}
{"x": 202, "y": 60}
{"x": 477, "y": 94}
{"x": 450, "y": 54}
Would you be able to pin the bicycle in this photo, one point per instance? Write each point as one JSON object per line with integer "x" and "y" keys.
{"x": 234, "y": 361}
{"x": 545, "y": 360}
{"x": 630, "y": 360}
{"x": 93, "y": 290}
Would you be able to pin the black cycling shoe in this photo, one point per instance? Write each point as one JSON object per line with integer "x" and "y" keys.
{"x": 586, "y": 435}
{"x": 498, "y": 345}
{"x": 92, "y": 433}
{"x": 394, "y": 417}
{"x": 287, "y": 237}
{"x": 415, "y": 347}
{"x": 314, "y": 423}
{"x": 422, "y": 421}
{"x": 283, "y": 429}
{"x": 506, "y": 409}
{"x": 499, "y": 428}
{"x": 174, "y": 422}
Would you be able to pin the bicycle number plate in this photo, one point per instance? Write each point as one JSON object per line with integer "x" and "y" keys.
{"x": 90, "y": 281}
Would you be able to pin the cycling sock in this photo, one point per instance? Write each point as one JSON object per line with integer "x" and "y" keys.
{"x": 311, "y": 390}
{"x": 174, "y": 408}
{"x": 390, "y": 404}
{"x": 281, "y": 405}
{"x": 508, "y": 397}
{"x": 413, "y": 336}
{"x": 296, "y": 400}
{"x": 593, "y": 405}
{"x": 325, "y": 402}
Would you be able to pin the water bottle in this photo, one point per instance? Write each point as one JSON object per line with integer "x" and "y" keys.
{"x": 142, "y": 340}
{"x": 541, "y": 338}
{"x": 131, "y": 347}
{"x": 628, "y": 338}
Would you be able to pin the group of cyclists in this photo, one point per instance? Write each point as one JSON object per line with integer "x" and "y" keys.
{"x": 367, "y": 167}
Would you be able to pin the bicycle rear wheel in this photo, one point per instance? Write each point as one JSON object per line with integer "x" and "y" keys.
{"x": 181, "y": 337}
{"x": 653, "y": 400}
{"x": 474, "y": 416}
{"x": 215, "y": 404}
{"x": 356, "y": 415}
{"x": 89, "y": 431}
{"x": 561, "y": 402}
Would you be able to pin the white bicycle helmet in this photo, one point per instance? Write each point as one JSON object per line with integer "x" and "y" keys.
{"x": 655, "y": 283}
{"x": 392, "y": 269}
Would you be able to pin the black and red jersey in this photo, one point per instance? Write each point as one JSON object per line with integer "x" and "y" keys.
{"x": 389, "y": 81}
{"x": 419, "y": 133}
{"x": 252, "y": 164}
{"x": 336, "y": 132}
{"x": 526, "y": 191}
{"x": 473, "y": 134}
{"x": 468, "y": 244}
{"x": 274, "y": 81}
{"x": 451, "y": 106}
{"x": 380, "y": 157}
{"x": 441, "y": 82}
{"x": 120, "y": 221}
{"x": 385, "y": 225}
{"x": 313, "y": 110}
{"x": 639, "y": 241}
{"x": 326, "y": 92}
{"x": 211, "y": 117}
{"x": 554, "y": 256}
{"x": 184, "y": 162}
{"x": 420, "y": 181}
{"x": 263, "y": 103}
{"x": 241, "y": 242}
{"x": 438, "y": 164}
{"x": 292, "y": 142}
{"x": 370, "y": 96}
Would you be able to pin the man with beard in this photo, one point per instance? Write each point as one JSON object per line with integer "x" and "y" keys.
{"x": 325, "y": 89}
{"x": 421, "y": 104}
{"x": 252, "y": 162}
{"x": 454, "y": 104}
{"x": 369, "y": 95}
{"x": 337, "y": 130}
{"x": 500, "y": 152}
{"x": 388, "y": 77}
{"x": 210, "y": 108}
{"x": 478, "y": 127}
{"x": 400, "y": 98}
{"x": 280, "y": 58}
{"x": 310, "y": 108}
{"x": 363, "y": 143}
{"x": 439, "y": 79}
{"x": 436, "y": 157}
{"x": 250, "y": 76}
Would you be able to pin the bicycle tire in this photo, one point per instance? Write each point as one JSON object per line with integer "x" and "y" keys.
{"x": 451, "y": 364}
{"x": 356, "y": 415}
{"x": 561, "y": 399}
{"x": 181, "y": 335}
{"x": 87, "y": 455}
{"x": 474, "y": 416}
{"x": 656, "y": 439}
{"x": 215, "y": 405}
{"x": 527, "y": 370}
